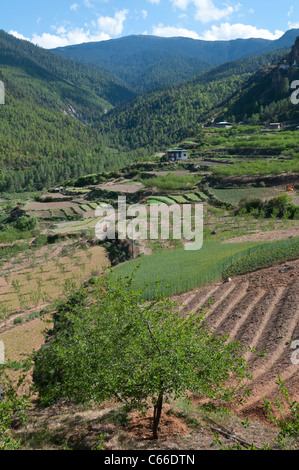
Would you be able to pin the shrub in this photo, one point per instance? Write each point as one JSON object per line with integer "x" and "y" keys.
{"x": 250, "y": 203}
{"x": 26, "y": 223}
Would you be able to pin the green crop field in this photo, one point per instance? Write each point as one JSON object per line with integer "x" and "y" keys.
{"x": 192, "y": 197}
{"x": 258, "y": 167}
{"x": 180, "y": 199}
{"x": 172, "y": 182}
{"x": 263, "y": 257}
{"x": 233, "y": 196}
{"x": 155, "y": 202}
{"x": 202, "y": 196}
{"x": 180, "y": 270}
{"x": 165, "y": 199}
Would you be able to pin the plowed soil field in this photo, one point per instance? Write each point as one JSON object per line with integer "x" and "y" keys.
{"x": 261, "y": 310}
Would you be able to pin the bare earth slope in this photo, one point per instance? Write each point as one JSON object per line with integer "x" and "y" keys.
{"x": 261, "y": 310}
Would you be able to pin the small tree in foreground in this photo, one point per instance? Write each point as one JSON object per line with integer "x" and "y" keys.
{"x": 283, "y": 412}
{"x": 118, "y": 346}
{"x": 13, "y": 405}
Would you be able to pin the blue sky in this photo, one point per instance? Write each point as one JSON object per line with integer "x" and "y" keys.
{"x": 65, "y": 22}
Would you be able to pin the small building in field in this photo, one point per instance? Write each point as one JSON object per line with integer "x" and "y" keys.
{"x": 177, "y": 153}
{"x": 275, "y": 125}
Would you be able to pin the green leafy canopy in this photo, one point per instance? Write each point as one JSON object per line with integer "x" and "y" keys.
{"x": 118, "y": 346}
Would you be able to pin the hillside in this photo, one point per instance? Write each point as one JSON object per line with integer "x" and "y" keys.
{"x": 50, "y": 103}
{"x": 44, "y": 64}
{"x": 101, "y": 338}
{"x": 163, "y": 117}
{"x": 245, "y": 275}
{"x": 63, "y": 119}
{"x": 259, "y": 309}
{"x": 267, "y": 94}
{"x": 147, "y": 62}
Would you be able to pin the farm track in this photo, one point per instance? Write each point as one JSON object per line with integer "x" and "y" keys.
{"x": 261, "y": 310}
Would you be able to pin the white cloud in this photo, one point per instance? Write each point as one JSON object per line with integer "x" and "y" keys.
{"x": 169, "y": 31}
{"x": 102, "y": 30}
{"x": 18, "y": 35}
{"x": 144, "y": 14}
{"x": 74, "y": 7}
{"x": 180, "y": 3}
{"x": 154, "y": 1}
{"x": 113, "y": 26}
{"x": 60, "y": 31}
{"x": 74, "y": 36}
{"x": 206, "y": 10}
{"x": 293, "y": 25}
{"x": 88, "y": 4}
{"x": 291, "y": 11}
{"x": 63, "y": 37}
{"x": 228, "y": 31}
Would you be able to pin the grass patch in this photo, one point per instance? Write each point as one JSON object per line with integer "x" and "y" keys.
{"x": 180, "y": 199}
{"x": 172, "y": 182}
{"x": 192, "y": 197}
{"x": 233, "y": 196}
{"x": 203, "y": 196}
{"x": 12, "y": 234}
{"x": 153, "y": 202}
{"x": 165, "y": 199}
{"x": 258, "y": 167}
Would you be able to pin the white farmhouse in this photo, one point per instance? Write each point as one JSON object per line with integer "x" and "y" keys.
{"x": 177, "y": 153}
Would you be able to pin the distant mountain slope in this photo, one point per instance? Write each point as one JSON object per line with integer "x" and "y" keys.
{"x": 164, "y": 117}
{"x": 267, "y": 94}
{"x": 41, "y": 62}
{"x": 50, "y": 102}
{"x": 145, "y": 62}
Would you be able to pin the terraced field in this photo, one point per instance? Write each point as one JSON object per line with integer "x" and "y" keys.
{"x": 32, "y": 280}
{"x": 261, "y": 310}
{"x": 233, "y": 196}
{"x": 61, "y": 210}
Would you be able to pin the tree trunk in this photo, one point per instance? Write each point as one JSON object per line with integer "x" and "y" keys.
{"x": 157, "y": 416}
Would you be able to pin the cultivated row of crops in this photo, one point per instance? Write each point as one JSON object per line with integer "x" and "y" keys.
{"x": 60, "y": 210}
{"x": 180, "y": 271}
{"x": 263, "y": 257}
{"x": 179, "y": 199}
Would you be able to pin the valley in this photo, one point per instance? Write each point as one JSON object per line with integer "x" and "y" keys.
{"x": 74, "y": 139}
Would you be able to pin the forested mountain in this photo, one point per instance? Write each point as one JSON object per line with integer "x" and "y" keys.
{"x": 163, "y": 117}
{"x": 62, "y": 119}
{"x": 146, "y": 62}
{"x": 45, "y": 124}
{"x": 43, "y": 64}
{"x": 267, "y": 94}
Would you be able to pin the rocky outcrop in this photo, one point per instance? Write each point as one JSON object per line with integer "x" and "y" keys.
{"x": 294, "y": 56}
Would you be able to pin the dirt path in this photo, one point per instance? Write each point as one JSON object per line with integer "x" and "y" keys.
{"x": 9, "y": 323}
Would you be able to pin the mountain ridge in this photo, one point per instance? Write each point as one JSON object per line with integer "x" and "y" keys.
{"x": 136, "y": 60}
